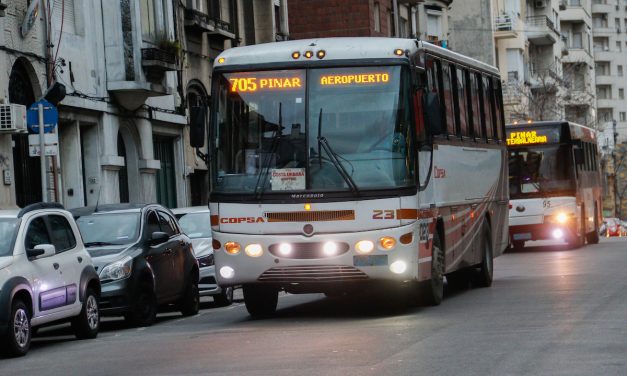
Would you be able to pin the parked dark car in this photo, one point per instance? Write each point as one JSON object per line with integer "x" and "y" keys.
{"x": 143, "y": 259}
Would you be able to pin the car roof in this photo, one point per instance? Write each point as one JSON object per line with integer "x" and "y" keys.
{"x": 190, "y": 209}
{"x": 108, "y": 208}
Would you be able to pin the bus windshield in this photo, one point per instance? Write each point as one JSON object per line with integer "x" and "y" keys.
{"x": 320, "y": 129}
{"x": 541, "y": 171}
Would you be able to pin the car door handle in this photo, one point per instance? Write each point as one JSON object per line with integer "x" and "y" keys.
{"x": 56, "y": 266}
{"x": 80, "y": 259}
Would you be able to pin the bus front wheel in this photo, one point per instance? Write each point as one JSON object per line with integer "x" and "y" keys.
{"x": 260, "y": 300}
{"x": 432, "y": 291}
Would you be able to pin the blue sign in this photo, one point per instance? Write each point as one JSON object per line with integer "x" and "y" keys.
{"x": 51, "y": 117}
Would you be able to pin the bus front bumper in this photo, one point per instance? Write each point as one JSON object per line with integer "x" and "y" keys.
{"x": 309, "y": 269}
{"x": 544, "y": 231}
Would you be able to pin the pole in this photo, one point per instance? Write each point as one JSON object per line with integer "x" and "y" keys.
{"x": 42, "y": 155}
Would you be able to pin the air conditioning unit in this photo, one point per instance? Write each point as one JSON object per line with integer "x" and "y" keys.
{"x": 540, "y": 3}
{"x": 12, "y": 118}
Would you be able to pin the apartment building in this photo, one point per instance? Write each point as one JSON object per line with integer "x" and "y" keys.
{"x": 424, "y": 19}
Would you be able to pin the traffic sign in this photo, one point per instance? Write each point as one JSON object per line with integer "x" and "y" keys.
{"x": 51, "y": 117}
{"x": 51, "y": 146}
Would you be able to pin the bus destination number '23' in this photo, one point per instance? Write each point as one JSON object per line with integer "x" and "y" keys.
{"x": 383, "y": 214}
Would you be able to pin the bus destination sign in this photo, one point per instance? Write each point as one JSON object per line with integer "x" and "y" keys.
{"x": 531, "y": 137}
{"x": 354, "y": 79}
{"x": 252, "y": 84}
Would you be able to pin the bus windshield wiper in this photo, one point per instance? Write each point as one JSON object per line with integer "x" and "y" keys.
{"x": 260, "y": 186}
{"x": 333, "y": 157}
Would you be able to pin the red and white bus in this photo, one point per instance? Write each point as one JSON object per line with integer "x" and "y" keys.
{"x": 345, "y": 162}
{"x": 554, "y": 183}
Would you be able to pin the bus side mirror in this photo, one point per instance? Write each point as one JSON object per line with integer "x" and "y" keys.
{"x": 433, "y": 114}
{"x": 579, "y": 157}
{"x": 197, "y": 127}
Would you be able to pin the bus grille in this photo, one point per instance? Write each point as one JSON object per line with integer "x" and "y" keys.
{"x": 311, "y": 216}
{"x": 314, "y": 250}
{"x": 320, "y": 273}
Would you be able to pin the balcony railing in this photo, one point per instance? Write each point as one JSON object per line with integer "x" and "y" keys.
{"x": 197, "y": 20}
{"x": 505, "y": 22}
{"x": 540, "y": 21}
{"x": 156, "y": 62}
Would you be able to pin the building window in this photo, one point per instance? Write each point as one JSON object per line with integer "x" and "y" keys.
{"x": 63, "y": 10}
{"x": 574, "y": 3}
{"x": 621, "y": 93}
{"x": 391, "y": 23}
{"x": 604, "y": 92}
{"x": 605, "y": 114}
{"x": 617, "y": 24}
{"x": 434, "y": 25}
{"x": 153, "y": 19}
{"x": 577, "y": 40}
{"x": 620, "y": 70}
{"x": 601, "y": 44}
{"x": 377, "y": 18}
{"x": 602, "y": 68}
{"x": 619, "y": 46}
{"x": 622, "y": 116}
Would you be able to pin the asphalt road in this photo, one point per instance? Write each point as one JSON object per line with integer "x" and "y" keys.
{"x": 550, "y": 311}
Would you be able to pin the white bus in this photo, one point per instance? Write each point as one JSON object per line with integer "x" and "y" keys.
{"x": 343, "y": 163}
{"x": 554, "y": 183}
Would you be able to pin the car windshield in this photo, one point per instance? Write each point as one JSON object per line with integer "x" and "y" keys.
{"x": 331, "y": 129}
{"x": 109, "y": 228}
{"x": 8, "y": 229}
{"x": 196, "y": 225}
{"x": 540, "y": 171}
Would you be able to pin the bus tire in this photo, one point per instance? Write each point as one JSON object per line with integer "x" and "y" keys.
{"x": 260, "y": 300}
{"x": 486, "y": 268}
{"x": 578, "y": 239}
{"x": 432, "y": 291}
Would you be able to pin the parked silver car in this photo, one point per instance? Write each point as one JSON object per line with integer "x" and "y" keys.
{"x": 196, "y": 223}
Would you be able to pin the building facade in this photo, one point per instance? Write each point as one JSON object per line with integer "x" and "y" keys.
{"x": 424, "y": 19}
{"x": 471, "y": 30}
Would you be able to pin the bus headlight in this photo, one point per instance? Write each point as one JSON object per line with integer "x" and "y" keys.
{"x": 232, "y": 248}
{"x": 387, "y": 242}
{"x": 561, "y": 218}
{"x": 398, "y": 267}
{"x": 364, "y": 246}
{"x": 254, "y": 250}
{"x": 285, "y": 249}
{"x": 329, "y": 248}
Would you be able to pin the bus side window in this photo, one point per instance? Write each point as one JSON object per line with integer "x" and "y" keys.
{"x": 475, "y": 105}
{"x": 462, "y": 103}
{"x": 488, "y": 105}
{"x": 482, "y": 107}
{"x": 447, "y": 90}
{"x": 498, "y": 98}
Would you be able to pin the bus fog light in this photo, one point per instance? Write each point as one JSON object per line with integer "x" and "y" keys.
{"x": 285, "y": 249}
{"x": 330, "y": 248}
{"x": 253, "y": 250}
{"x": 227, "y": 272}
{"x": 558, "y": 233}
{"x": 232, "y": 248}
{"x": 364, "y": 246}
{"x": 398, "y": 267}
{"x": 387, "y": 242}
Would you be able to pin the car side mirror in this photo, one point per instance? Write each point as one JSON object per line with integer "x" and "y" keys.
{"x": 41, "y": 251}
{"x": 433, "y": 114}
{"x": 158, "y": 237}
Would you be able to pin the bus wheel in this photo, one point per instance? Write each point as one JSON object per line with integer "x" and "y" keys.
{"x": 260, "y": 300}
{"x": 432, "y": 291}
{"x": 577, "y": 240}
{"x": 486, "y": 268}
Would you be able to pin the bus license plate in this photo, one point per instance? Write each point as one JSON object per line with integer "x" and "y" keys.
{"x": 375, "y": 260}
{"x": 522, "y": 236}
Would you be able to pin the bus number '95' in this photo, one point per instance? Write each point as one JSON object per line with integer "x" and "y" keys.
{"x": 383, "y": 214}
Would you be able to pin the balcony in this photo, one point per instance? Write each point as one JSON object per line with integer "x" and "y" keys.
{"x": 574, "y": 13}
{"x": 156, "y": 62}
{"x": 603, "y": 8}
{"x": 541, "y": 30}
{"x": 578, "y": 55}
{"x": 505, "y": 26}
{"x": 222, "y": 29}
{"x": 197, "y": 21}
{"x": 607, "y": 79}
{"x": 547, "y": 79}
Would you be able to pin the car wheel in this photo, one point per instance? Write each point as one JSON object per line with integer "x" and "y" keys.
{"x": 18, "y": 331}
{"x": 261, "y": 301}
{"x": 190, "y": 302}
{"x": 87, "y": 323}
{"x": 486, "y": 268}
{"x": 144, "y": 308}
{"x": 224, "y": 298}
{"x": 432, "y": 291}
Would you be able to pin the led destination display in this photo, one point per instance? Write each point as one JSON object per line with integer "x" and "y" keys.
{"x": 532, "y": 136}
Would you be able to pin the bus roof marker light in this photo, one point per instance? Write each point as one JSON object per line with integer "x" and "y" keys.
{"x": 309, "y": 54}
{"x": 221, "y": 60}
{"x": 529, "y": 121}
{"x": 295, "y": 55}
{"x": 307, "y": 207}
{"x": 321, "y": 54}
{"x": 399, "y": 52}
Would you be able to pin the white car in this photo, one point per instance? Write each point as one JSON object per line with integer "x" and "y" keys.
{"x": 196, "y": 223}
{"x": 46, "y": 276}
